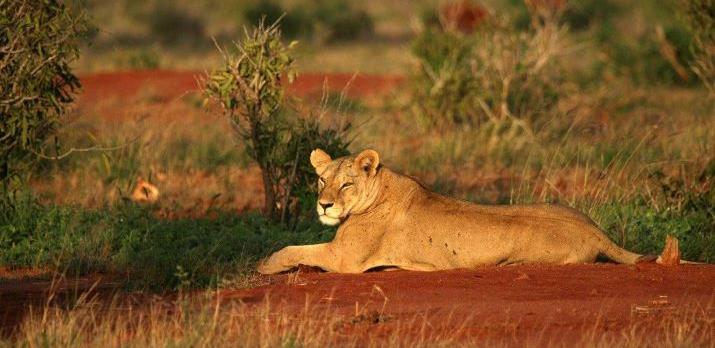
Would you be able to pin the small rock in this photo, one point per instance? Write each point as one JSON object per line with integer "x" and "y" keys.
{"x": 522, "y": 276}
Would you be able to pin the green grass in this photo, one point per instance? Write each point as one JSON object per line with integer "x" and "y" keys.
{"x": 638, "y": 226}
{"x": 151, "y": 253}
{"x": 162, "y": 254}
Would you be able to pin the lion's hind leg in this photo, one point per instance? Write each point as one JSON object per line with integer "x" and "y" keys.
{"x": 391, "y": 265}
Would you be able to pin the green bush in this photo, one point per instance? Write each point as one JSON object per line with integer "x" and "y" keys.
{"x": 642, "y": 59}
{"x": 577, "y": 15}
{"x": 323, "y": 20}
{"x": 581, "y": 15}
{"x": 341, "y": 21}
{"x": 684, "y": 209}
{"x": 39, "y": 41}
{"x": 174, "y": 26}
{"x": 492, "y": 75}
{"x": 249, "y": 87}
{"x": 700, "y": 15}
{"x": 294, "y": 23}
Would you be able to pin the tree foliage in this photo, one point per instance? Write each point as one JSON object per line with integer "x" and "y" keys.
{"x": 490, "y": 75}
{"x": 700, "y": 15}
{"x": 38, "y": 41}
{"x": 250, "y": 89}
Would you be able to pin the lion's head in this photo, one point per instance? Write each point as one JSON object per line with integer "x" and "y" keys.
{"x": 346, "y": 185}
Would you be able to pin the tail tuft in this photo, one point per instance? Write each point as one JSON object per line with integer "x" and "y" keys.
{"x": 671, "y": 253}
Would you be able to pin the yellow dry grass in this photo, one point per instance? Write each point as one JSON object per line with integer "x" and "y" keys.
{"x": 202, "y": 320}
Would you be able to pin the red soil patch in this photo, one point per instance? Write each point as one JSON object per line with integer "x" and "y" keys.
{"x": 173, "y": 84}
{"x": 509, "y": 304}
{"x": 21, "y": 291}
{"x": 518, "y": 302}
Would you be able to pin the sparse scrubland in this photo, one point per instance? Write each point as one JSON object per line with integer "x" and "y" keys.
{"x": 605, "y": 106}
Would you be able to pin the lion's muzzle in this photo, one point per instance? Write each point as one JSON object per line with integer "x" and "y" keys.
{"x": 329, "y": 214}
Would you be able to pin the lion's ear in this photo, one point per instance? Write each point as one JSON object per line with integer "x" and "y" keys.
{"x": 368, "y": 160}
{"x": 319, "y": 158}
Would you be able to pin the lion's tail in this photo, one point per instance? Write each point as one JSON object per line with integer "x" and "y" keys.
{"x": 620, "y": 255}
{"x": 669, "y": 256}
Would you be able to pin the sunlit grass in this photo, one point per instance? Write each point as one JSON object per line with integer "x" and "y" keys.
{"x": 212, "y": 320}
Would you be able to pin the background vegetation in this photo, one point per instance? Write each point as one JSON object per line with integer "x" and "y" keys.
{"x": 613, "y": 122}
{"x": 250, "y": 89}
{"x": 38, "y": 41}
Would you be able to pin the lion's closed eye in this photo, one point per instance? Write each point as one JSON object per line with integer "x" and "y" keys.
{"x": 346, "y": 185}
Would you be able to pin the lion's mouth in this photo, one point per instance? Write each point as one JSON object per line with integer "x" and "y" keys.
{"x": 327, "y": 220}
{"x": 330, "y": 216}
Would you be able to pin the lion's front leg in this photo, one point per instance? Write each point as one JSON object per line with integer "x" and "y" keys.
{"x": 317, "y": 255}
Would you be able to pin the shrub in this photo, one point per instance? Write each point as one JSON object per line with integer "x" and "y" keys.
{"x": 686, "y": 210}
{"x": 655, "y": 56}
{"x": 324, "y": 20}
{"x": 249, "y": 87}
{"x": 494, "y": 74}
{"x": 577, "y": 15}
{"x": 173, "y": 25}
{"x": 341, "y": 21}
{"x": 700, "y": 15}
{"x": 295, "y": 23}
{"x": 38, "y": 41}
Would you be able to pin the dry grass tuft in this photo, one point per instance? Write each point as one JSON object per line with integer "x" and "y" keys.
{"x": 203, "y": 320}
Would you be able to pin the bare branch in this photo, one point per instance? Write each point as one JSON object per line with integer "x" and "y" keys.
{"x": 86, "y": 149}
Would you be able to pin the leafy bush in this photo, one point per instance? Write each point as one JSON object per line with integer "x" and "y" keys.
{"x": 174, "y": 26}
{"x": 684, "y": 209}
{"x": 654, "y": 57}
{"x": 249, "y": 88}
{"x": 493, "y": 74}
{"x": 324, "y": 20}
{"x": 38, "y": 41}
{"x": 581, "y": 15}
{"x": 341, "y": 21}
{"x": 700, "y": 15}
{"x": 137, "y": 58}
{"x": 640, "y": 227}
{"x": 577, "y": 15}
{"x": 294, "y": 23}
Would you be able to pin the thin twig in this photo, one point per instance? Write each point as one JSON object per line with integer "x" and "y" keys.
{"x": 86, "y": 149}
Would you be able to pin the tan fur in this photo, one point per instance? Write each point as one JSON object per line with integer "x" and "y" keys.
{"x": 388, "y": 220}
{"x": 144, "y": 192}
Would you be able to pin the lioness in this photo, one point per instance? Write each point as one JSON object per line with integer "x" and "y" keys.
{"x": 388, "y": 220}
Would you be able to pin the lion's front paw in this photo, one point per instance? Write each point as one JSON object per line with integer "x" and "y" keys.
{"x": 264, "y": 267}
{"x": 271, "y": 266}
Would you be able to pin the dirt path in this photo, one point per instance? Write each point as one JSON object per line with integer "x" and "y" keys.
{"x": 513, "y": 304}
{"x": 520, "y": 301}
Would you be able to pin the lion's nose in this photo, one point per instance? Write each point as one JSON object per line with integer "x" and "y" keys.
{"x": 326, "y": 205}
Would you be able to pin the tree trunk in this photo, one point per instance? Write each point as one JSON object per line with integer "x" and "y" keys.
{"x": 269, "y": 204}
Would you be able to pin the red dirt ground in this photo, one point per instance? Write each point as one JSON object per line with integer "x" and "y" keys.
{"x": 515, "y": 302}
{"x": 22, "y": 290}
{"x": 520, "y": 301}
{"x": 172, "y": 84}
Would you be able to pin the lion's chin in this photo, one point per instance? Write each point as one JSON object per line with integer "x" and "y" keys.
{"x": 327, "y": 220}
